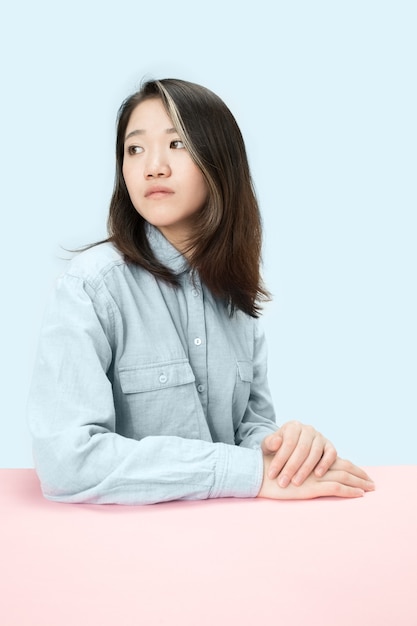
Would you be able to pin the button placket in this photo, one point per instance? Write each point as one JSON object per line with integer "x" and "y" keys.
{"x": 196, "y": 330}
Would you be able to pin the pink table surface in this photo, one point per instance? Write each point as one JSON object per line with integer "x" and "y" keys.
{"x": 246, "y": 562}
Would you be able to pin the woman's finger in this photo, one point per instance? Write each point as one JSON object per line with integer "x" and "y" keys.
{"x": 290, "y": 434}
{"x": 316, "y": 452}
{"x": 271, "y": 443}
{"x": 339, "y": 490}
{"x": 348, "y": 466}
{"x": 327, "y": 460}
{"x": 309, "y": 443}
{"x": 346, "y": 478}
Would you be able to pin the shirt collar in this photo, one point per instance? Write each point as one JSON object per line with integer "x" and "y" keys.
{"x": 165, "y": 252}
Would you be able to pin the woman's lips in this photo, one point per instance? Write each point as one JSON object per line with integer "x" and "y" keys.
{"x": 158, "y": 192}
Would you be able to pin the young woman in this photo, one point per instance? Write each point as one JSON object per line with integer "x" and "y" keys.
{"x": 151, "y": 379}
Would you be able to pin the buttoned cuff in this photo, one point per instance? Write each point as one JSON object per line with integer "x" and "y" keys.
{"x": 239, "y": 472}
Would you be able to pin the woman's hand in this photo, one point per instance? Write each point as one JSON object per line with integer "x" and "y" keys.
{"x": 297, "y": 450}
{"x": 343, "y": 479}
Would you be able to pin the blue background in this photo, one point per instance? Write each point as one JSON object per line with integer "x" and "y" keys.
{"x": 325, "y": 95}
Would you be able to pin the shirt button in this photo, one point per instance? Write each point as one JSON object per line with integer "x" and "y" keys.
{"x": 163, "y": 379}
{"x": 197, "y": 341}
{"x": 195, "y": 292}
{"x": 200, "y": 388}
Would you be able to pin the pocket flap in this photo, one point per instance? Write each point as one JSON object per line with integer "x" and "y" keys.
{"x": 245, "y": 369}
{"x": 137, "y": 379}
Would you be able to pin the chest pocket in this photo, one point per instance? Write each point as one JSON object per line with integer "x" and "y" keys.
{"x": 140, "y": 379}
{"x": 159, "y": 399}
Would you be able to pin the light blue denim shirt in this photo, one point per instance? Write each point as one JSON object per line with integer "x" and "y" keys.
{"x": 143, "y": 392}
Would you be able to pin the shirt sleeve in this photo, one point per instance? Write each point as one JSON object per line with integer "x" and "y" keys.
{"x": 259, "y": 418}
{"x": 78, "y": 455}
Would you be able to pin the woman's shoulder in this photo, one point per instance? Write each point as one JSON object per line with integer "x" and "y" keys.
{"x": 95, "y": 262}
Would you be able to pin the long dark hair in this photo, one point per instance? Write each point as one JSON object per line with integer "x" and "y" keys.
{"x": 225, "y": 245}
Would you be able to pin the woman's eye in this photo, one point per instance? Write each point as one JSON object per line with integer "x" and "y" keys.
{"x": 134, "y": 150}
{"x": 177, "y": 144}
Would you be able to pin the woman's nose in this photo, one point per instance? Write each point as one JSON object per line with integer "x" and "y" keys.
{"x": 157, "y": 166}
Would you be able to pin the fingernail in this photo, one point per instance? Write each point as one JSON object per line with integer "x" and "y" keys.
{"x": 370, "y": 484}
{"x": 284, "y": 481}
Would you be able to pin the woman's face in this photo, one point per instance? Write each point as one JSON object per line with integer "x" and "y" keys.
{"x": 164, "y": 184}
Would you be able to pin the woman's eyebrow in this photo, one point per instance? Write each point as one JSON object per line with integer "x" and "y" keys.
{"x": 139, "y": 131}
